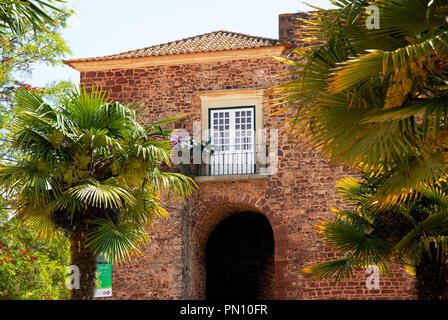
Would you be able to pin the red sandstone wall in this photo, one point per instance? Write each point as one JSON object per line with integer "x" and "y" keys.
{"x": 293, "y": 200}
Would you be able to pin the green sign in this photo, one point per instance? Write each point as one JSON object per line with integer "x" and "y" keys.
{"x": 103, "y": 280}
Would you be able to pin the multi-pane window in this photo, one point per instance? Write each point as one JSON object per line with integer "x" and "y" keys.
{"x": 232, "y": 133}
{"x": 221, "y": 131}
{"x": 244, "y": 131}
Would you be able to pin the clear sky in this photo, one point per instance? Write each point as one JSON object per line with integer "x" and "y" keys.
{"x": 111, "y": 26}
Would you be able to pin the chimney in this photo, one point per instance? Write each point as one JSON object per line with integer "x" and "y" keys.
{"x": 288, "y": 26}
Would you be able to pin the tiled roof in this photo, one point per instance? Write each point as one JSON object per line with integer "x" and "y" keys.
{"x": 208, "y": 42}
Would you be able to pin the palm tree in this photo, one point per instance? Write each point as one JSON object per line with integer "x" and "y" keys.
{"x": 412, "y": 234}
{"x": 88, "y": 166}
{"x": 370, "y": 98}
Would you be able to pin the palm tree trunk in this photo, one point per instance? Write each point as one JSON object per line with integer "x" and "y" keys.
{"x": 86, "y": 262}
{"x": 431, "y": 277}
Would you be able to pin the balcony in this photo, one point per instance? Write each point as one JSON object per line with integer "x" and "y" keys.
{"x": 230, "y": 166}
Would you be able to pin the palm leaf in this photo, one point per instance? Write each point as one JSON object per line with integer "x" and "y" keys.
{"x": 345, "y": 237}
{"x": 39, "y": 219}
{"x": 117, "y": 244}
{"x": 175, "y": 184}
{"x": 30, "y": 178}
{"x": 339, "y": 268}
{"x": 26, "y": 15}
{"x": 433, "y": 225}
{"x": 146, "y": 207}
{"x": 102, "y": 195}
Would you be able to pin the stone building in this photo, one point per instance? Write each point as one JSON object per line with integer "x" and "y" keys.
{"x": 249, "y": 228}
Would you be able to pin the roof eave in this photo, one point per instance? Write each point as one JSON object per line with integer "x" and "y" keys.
{"x": 84, "y": 65}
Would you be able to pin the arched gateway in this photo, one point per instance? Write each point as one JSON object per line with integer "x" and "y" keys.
{"x": 237, "y": 258}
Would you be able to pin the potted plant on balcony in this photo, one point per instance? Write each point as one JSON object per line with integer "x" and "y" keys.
{"x": 187, "y": 144}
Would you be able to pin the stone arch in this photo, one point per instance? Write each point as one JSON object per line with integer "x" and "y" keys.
{"x": 215, "y": 210}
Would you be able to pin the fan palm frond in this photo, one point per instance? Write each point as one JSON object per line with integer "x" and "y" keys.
{"x": 343, "y": 267}
{"x": 346, "y": 237}
{"x": 102, "y": 195}
{"x": 146, "y": 207}
{"x": 174, "y": 184}
{"x": 40, "y": 220}
{"x": 433, "y": 225}
{"x": 32, "y": 177}
{"x": 116, "y": 243}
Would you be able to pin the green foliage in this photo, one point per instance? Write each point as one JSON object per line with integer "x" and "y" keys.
{"x": 31, "y": 268}
{"x": 374, "y": 98}
{"x": 19, "y": 54}
{"x": 24, "y": 16}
